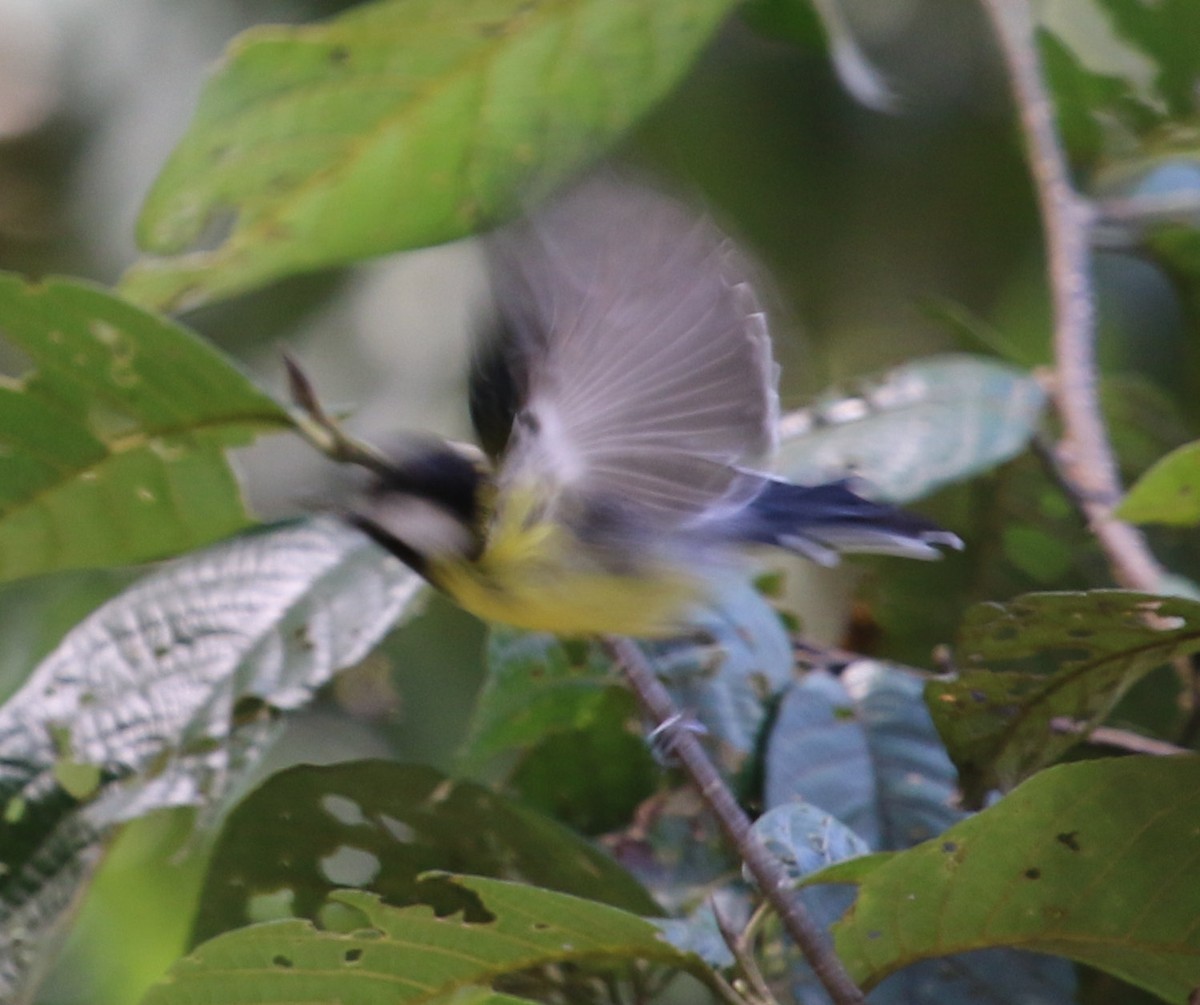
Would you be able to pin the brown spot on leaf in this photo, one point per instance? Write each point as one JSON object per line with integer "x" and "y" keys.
{"x": 1068, "y": 839}
{"x": 1033, "y": 873}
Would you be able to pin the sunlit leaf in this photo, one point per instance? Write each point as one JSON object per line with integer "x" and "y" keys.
{"x": 391, "y": 822}
{"x": 1043, "y": 656}
{"x": 398, "y": 124}
{"x": 165, "y": 694}
{"x": 915, "y": 428}
{"x": 111, "y": 445}
{"x": 1168, "y": 493}
{"x": 410, "y": 955}
{"x": 1085, "y": 861}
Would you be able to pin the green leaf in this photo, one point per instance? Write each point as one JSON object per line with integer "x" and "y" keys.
{"x": 167, "y": 694}
{"x": 915, "y": 428}
{"x": 408, "y": 954}
{"x": 396, "y": 821}
{"x": 565, "y": 731}
{"x": 1090, "y": 861}
{"x": 1169, "y": 492}
{"x": 571, "y": 730}
{"x": 399, "y": 124}
{"x": 1044, "y": 656}
{"x": 111, "y": 446}
{"x": 1165, "y": 34}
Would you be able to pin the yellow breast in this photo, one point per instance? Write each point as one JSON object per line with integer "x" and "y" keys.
{"x": 542, "y": 578}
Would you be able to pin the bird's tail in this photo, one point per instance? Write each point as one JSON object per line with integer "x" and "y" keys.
{"x": 822, "y": 521}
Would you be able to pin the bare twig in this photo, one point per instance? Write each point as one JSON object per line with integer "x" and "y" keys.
{"x": 739, "y": 946}
{"x": 767, "y": 871}
{"x": 1084, "y": 456}
{"x": 1121, "y": 739}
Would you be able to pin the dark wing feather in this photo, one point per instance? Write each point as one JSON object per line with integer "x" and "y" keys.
{"x": 641, "y": 352}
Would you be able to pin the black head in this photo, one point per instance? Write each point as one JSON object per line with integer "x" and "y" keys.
{"x": 425, "y": 505}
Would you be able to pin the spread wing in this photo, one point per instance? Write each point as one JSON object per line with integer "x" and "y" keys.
{"x": 638, "y": 353}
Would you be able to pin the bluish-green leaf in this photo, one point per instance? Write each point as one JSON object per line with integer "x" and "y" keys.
{"x": 863, "y": 747}
{"x": 916, "y": 428}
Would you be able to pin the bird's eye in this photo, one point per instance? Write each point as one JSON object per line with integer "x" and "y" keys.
{"x": 529, "y": 422}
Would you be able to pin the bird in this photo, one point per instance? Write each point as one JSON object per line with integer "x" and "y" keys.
{"x": 626, "y": 406}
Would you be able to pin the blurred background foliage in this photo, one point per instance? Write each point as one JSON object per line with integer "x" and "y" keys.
{"x": 886, "y": 235}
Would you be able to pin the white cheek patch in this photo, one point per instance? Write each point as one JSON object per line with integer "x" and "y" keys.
{"x": 423, "y": 525}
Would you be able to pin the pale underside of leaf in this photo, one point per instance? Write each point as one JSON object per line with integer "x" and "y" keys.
{"x": 143, "y": 693}
{"x": 916, "y": 428}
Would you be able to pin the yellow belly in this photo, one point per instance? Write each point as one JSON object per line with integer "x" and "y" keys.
{"x": 543, "y": 581}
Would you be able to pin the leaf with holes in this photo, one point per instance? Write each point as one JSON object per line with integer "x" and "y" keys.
{"x": 385, "y": 824}
{"x": 915, "y": 428}
{"x": 151, "y": 702}
{"x": 1168, "y": 493}
{"x": 862, "y": 746}
{"x": 567, "y": 733}
{"x": 399, "y": 124}
{"x": 112, "y": 445}
{"x": 1085, "y": 861}
{"x": 410, "y": 955}
{"x": 1041, "y": 657}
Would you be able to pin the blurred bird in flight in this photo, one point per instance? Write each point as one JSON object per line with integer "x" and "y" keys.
{"x": 626, "y": 402}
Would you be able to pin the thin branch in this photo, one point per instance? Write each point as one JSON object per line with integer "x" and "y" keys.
{"x": 739, "y": 946}
{"x": 1121, "y": 739}
{"x": 1084, "y": 456}
{"x": 767, "y": 871}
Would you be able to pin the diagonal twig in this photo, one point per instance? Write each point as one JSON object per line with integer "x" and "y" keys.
{"x": 767, "y": 871}
{"x": 1084, "y": 455}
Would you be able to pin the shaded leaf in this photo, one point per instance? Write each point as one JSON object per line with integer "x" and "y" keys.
{"x": 1085, "y": 861}
{"x": 915, "y": 428}
{"x": 805, "y": 838}
{"x": 112, "y": 446}
{"x": 165, "y": 694}
{"x": 863, "y": 747}
{"x": 398, "y": 124}
{"x": 396, "y": 821}
{"x": 1168, "y": 493}
{"x": 572, "y": 733}
{"x": 727, "y": 681}
{"x": 1042, "y": 656}
{"x": 409, "y": 954}
{"x": 563, "y": 730}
